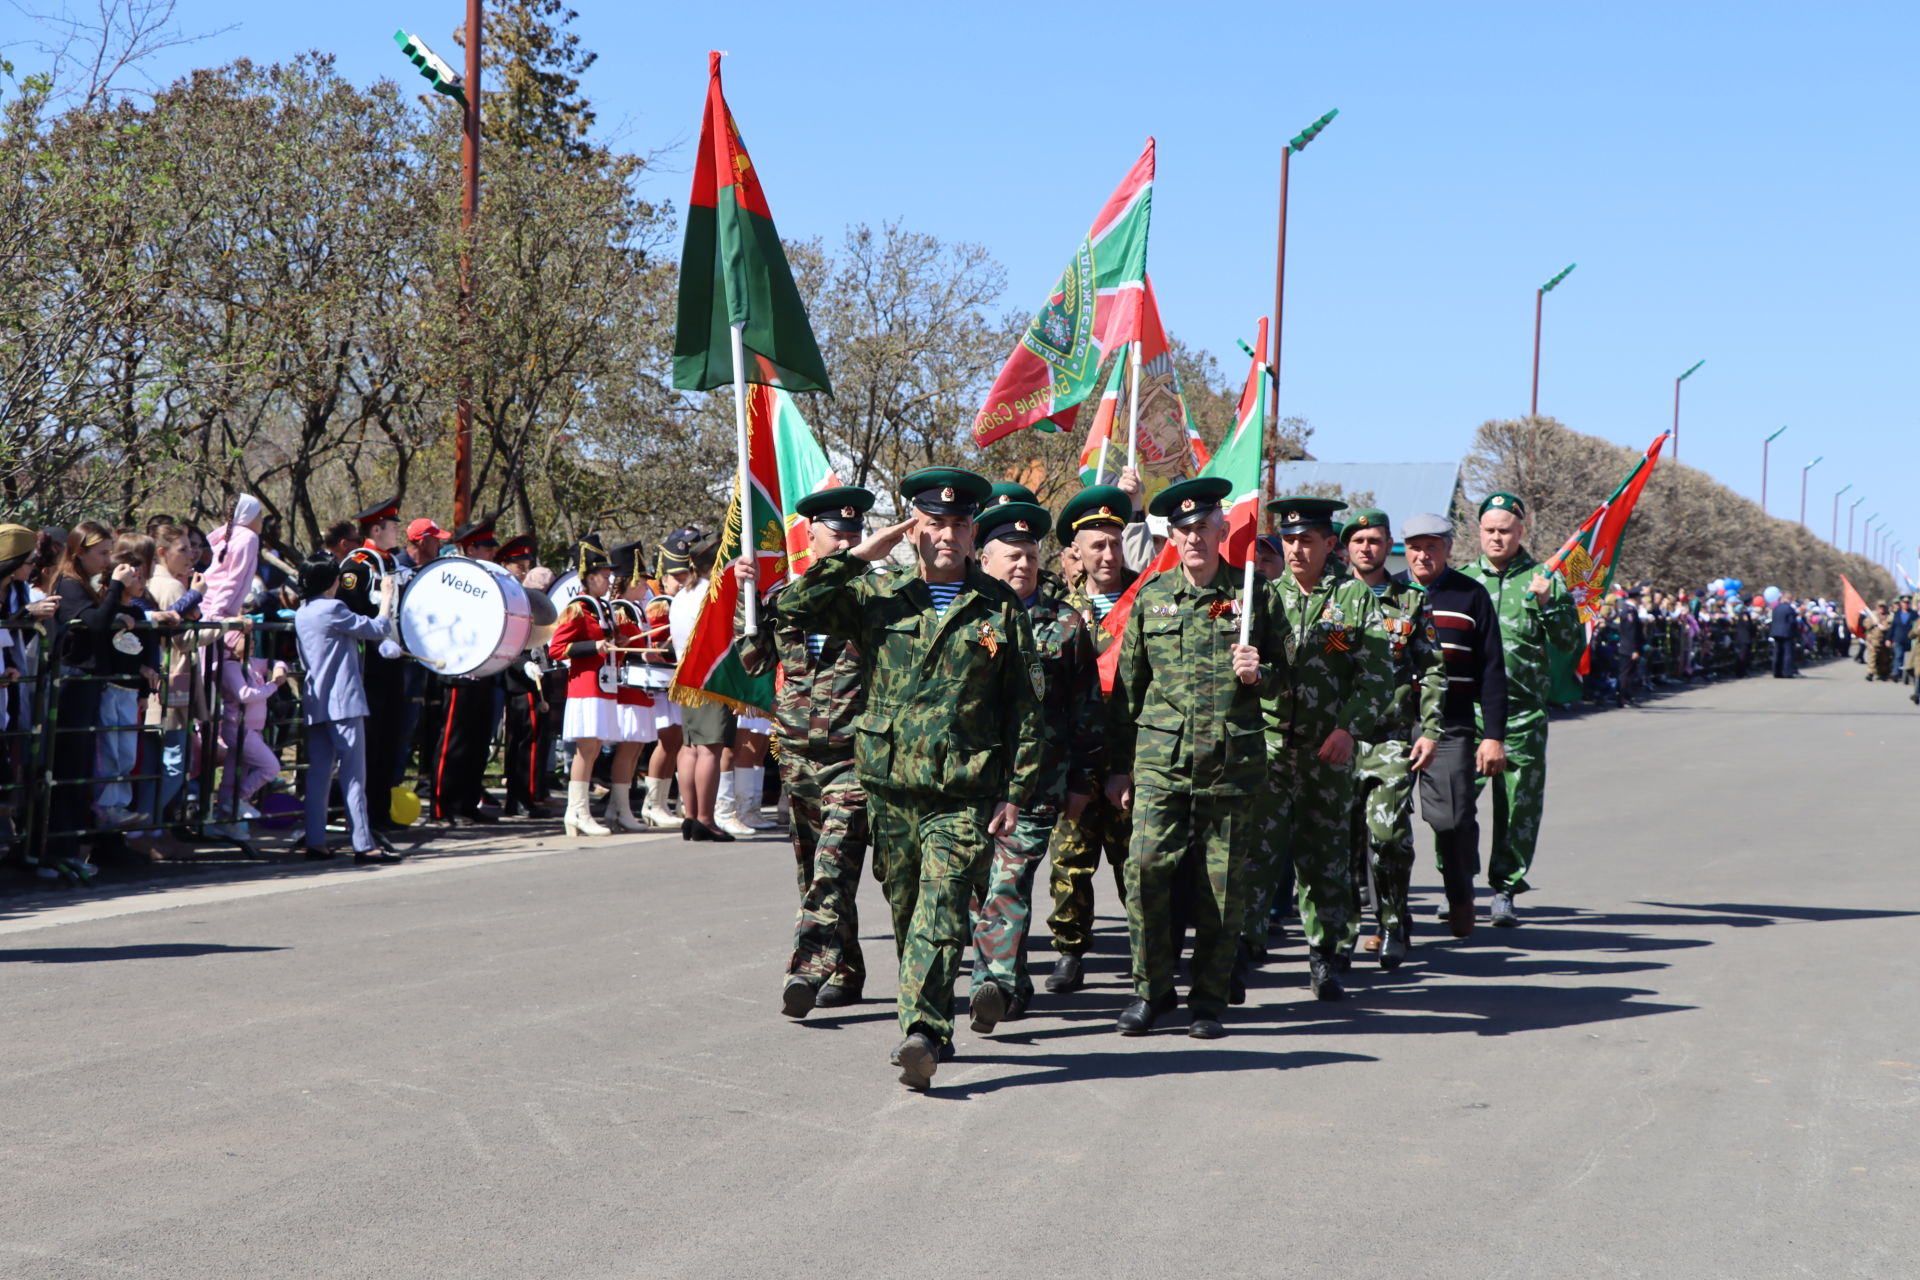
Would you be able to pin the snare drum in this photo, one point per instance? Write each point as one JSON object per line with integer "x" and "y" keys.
{"x": 464, "y": 620}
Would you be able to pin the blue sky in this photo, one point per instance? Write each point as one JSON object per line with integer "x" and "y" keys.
{"x": 1736, "y": 181}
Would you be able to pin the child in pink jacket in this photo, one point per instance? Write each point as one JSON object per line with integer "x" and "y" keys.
{"x": 245, "y": 687}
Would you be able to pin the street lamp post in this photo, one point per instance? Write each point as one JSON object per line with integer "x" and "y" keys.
{"x": 1764, "y": 446}
{"x": 1803, "y": 489}
{"x": 440, "y": 74}
{"x": 1676, "y": 406}
{"x": 1298, "y": 142}
{"x": 1539, "y": 298}
{"x": 1851, "y": 508}
{"x": 1866, "y": 535}
{"x": 1835, "y": 539}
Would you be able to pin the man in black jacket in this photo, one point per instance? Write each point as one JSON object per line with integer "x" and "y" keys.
{"x": 1462, "y": 625}
{"x": 1782, "y": 631}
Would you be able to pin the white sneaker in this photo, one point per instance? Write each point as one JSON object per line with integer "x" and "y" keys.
{"x": 248, "y": 812}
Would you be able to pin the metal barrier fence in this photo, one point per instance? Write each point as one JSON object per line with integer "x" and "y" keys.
{"x": 174, "y": 783}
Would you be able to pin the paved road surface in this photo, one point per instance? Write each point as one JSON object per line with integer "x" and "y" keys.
{"x": 1699, "y": 1057}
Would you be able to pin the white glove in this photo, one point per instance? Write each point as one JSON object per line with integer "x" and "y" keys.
{"x": 533, "y": 671}
{"x": 389, "y": 649}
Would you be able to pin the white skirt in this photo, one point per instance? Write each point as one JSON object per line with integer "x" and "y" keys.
{"x": 666, "y": 715}
{"x": 636, "y": 724}
{"x": 591, "y": 718}
{"x": 755, "y": 724}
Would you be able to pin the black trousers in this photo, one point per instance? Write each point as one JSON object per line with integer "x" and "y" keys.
{"x": 386, "y": 685}
{"x": 465, "y": 743}
{"x": 1782, "y": 658}
{"x": 520, "y": 732}
{"x": 1448, "y": 805}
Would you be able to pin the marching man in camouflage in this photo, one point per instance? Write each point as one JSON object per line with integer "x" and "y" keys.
{"x": 949, "y": 745}
{"x": 819, "y": 695}
{"x": 1335, "y": 685}
{"x": 1187, "y": 747}
{"x": 1073, "y": 724}
{"x": 1382, "y": 811}
{"x": 1093, "y": 523}
{"x": 1536, "y": 616}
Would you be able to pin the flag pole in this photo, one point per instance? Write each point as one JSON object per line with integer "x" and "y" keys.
{"x": 1133, "y": 406}
{"x": 1253, "y": 537}
{"x": 743, "y": 492}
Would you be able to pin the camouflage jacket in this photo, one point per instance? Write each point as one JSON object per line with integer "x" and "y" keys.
{"x": 1080, "y": 600}
{"x": 1339, "y": 673}
{"x": 1399, "y": 612}
{"x": 953, "y": 700}
{"x": 1527, "y": 629}
{"x": 1178, "y": 718}
{"x": 816, "y": 699}
{"x": 1073, "y": 714}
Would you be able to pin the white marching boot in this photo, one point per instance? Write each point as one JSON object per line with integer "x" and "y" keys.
{"x": 726, "y": 808}
{"x": 653, "y": 810}
{"x": 620, "y": 809}
{"x": 579, "y": 819}
{"x": 750, "y": 787}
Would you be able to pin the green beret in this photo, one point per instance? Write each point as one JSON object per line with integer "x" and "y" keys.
{"x": 1012, "y": 522}
{"x": 1371, "y": 518}
{"x": 946, "y": 491}
{"x": 1504, "y": 501}
{"x": 841, "y": 508}
{"x": 1299, "y": 513}
{"x": 1190, "y": 501}
{"x": 1100, "y": 506}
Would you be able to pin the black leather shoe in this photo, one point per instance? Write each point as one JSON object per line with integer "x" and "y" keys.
{"x": 1139, "y": 1016}
{"x": 1068, "y": 975}
{"x": 691, "y": 830}
{"x": 1016, "y": 1009}
{"x": 382, "y": 858}
{"x": 1320, "y": 975}
{"x": 1205, "y": 1028}
{"x": 716, "y": 835}
{"x": 480, "y": 817}
{"x": 918, "y": 1058}
{"x": 319, "y": 855}
{"x": 835, "y": 996}
{"x": 797, "y": 998}
{"x": 989, "y": 1005}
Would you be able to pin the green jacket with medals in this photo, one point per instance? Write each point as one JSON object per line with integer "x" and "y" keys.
{"x": 1339, "y": 673}
{"x": 1528, "y": 630}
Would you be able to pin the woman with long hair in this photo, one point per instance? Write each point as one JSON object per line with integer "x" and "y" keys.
{"x": 584, "y": 639}
{"x": 90, "y": 590}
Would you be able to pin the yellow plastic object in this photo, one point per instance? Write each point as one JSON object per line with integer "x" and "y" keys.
{"x": 404, "y": 806}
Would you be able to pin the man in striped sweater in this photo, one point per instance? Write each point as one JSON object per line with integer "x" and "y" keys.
{"x": 1453, "y": 746}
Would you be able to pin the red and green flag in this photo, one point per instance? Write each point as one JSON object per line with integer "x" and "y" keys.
{"x": 1239, "y": 461}
{"x": 1169, "y": 445}
{"x": 733, "y": 271}
{"x": 784, "y": 464}
{"x": 1585, "y": 561}
{"x": 1094, "y": 307}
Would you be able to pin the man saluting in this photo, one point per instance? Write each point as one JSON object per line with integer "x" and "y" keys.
{"x": 949, "y": 745}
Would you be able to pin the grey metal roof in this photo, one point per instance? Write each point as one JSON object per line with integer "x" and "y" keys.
{"x": 1400, "y": 489}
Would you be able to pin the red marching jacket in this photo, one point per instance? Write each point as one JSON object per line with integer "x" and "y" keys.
{"x": 576, "y": 642}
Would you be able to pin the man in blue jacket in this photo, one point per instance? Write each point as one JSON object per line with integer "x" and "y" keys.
{"x": 335, "y": 702}
{"x": 1782, "y": 631}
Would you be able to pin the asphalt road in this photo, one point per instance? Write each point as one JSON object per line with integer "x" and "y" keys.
{"x": 1696, "y": 1058}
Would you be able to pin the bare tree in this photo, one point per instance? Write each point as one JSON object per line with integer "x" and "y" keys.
{"x": 94, "y": 47}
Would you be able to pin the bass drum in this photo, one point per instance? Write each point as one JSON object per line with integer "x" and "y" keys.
{"x": 564, "y": 589}
{"x": 462, "y": 620}
{"x": 545, "y": 615}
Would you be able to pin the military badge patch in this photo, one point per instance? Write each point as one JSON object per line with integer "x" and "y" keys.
{"x": 348, "y": 581}
{"x": 1039, "y": 677}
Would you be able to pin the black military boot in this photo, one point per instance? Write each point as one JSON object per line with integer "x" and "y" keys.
{"x": 1068, "y": 975}
{"x": 918, "y": 1057}
{"x": 797, "y": 997}
{"x": 1139, "y": 1016}
{"x": 1320, "y": 974}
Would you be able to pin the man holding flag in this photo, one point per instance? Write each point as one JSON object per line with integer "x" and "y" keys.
{"x": 1537, "y": 614}
{"x": 949, "y": 747}
{"x": 1186, "y": 744}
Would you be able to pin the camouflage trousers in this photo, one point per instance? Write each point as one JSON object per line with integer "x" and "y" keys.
{"x": 1004, "y": 912}
{"x": 829, "y": 844}
{"x": 933, "y": 853}
{"x": 1077, "y": 846}
{"x": 1519, "y": 800}
{"x": 1172, "y": 829}
{"x": 1382, "y": 827}
{"x": 1305, "y": 815}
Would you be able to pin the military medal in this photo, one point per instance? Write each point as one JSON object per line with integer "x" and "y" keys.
{"x": 988, "y": 639}
{"x": 1337, "y": 640}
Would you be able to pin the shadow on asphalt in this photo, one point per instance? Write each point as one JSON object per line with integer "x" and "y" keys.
{"x": 142, "y": 951}
{"x": 1047, "y": 1068}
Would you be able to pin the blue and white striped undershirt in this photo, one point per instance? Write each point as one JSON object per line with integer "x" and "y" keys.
{"x": 1103, "y": 601}
{"x": 943, "y": 594}
{"x": 815, "y": 643}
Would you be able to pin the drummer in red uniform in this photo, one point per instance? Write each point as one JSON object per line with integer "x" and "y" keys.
{"x": 382, "y": 671}
{"x": 583, "y": 639}
{"x": 635, "y": 715}
{"x": 464, "y": 742}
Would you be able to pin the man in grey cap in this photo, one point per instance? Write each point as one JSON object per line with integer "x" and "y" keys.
{"x": 1462, "y": 625}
